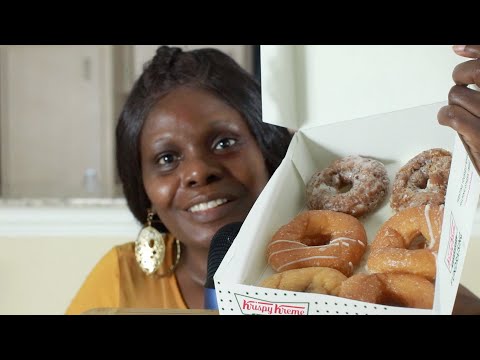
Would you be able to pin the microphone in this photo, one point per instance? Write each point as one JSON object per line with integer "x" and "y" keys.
{"x": 221, "y": 242}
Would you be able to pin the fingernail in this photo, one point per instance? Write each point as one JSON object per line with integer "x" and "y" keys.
{"x": 459, "y": 48}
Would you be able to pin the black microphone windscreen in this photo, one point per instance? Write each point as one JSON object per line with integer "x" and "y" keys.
{"x": 221, "y": 242}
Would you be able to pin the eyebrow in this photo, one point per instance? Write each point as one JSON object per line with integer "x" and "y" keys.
{"x": 222, "y": 123}
{"x": 165, "y": 138}
{"x": 219, "y": 124}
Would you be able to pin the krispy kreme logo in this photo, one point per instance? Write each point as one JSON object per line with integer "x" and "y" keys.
{"x": 252, "y": 306}
{"x": 453, "y": 248}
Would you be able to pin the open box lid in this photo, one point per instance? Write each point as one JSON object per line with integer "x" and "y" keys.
{"x": 311, "y": 85}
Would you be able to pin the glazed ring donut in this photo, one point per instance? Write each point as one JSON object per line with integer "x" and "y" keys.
{"x": 404, "y": 290}
{"x": 422, "y": 180}
{"x": 390, "y": 249}
{"x": 318, "y": 238}
{"x": 320, "y": 280}
{"x": 369, "y": 186}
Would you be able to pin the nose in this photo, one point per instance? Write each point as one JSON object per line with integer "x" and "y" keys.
{"x": 200, "y": 171}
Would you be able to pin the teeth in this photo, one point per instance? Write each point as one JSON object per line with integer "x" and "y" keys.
{"x": 207, "y": 205}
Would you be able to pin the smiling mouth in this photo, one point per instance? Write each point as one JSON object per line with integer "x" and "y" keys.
{"x": 207, "y": 205}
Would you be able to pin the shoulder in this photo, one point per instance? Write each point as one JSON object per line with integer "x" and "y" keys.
{"x": 101, "y": 287}
{"x": 117, "y": 253}
{"x": 124, "y": 250}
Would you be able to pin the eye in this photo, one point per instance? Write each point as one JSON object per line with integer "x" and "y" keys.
{"x": 225, "y": 143}
{"x": 167, "y": 159}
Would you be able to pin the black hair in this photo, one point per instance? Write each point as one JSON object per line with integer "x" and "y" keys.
{"x": 205, "y": 68}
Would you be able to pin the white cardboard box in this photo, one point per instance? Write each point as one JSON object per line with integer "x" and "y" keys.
{"x": 301, "y": 87}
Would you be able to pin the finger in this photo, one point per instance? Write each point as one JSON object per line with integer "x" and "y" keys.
{"x": 471, "y": 51}
{"x": 460, "y": 120}
{"x": 466, "y": 98}
{"x": 467, "y": 73}
{"x": 468, "y": 128}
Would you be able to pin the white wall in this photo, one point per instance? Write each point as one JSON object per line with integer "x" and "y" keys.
{"x": 56, "y": 121}
{"x": 41, "y": 275}
{"x": 48, "y": 251}
{"x": 311, "y": 85}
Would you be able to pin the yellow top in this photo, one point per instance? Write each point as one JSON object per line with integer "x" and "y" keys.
{"x": 118, "y": 282}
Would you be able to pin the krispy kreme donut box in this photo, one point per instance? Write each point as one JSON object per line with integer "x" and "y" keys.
{"x": 375, "y": 101}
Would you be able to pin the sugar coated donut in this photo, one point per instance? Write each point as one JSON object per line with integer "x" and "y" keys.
{"x": 319, "y": 280}
{"x": 422, "y": 180}
{"x": 404, "y": 290}
{"x": 318, "y": 238}
{"x": 368, "y": 179}
{"x": 391, "y": 249}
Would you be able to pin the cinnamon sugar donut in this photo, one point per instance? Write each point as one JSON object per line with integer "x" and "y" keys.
{"x": 320, "y": 280}
{"x": 404, "y": 290}
{"x": 422, "y": 180}
{"x": 318, "y": 238}
{"x": 369, "y": 186}
{"x": 390, "y": 249}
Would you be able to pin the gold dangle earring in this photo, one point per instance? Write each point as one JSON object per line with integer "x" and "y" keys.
{"x": 149, "y": 247}
{"x": 177, "y": 259}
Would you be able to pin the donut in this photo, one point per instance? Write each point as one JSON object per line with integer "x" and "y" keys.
{"x": 318, "y": 238}
{"x": 368, "y": 179}
{"x": 422, "y": 180}
{"x": 320, "y": 280}
{"x": 391, "y": 249}
{"x": 405, "y": 290}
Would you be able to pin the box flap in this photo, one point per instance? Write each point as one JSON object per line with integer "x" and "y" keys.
{"x": 460, "y": 208}
{"x": 311, "y": 85}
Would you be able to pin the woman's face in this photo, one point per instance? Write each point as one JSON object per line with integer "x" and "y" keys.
{"x": 201, "y": 166}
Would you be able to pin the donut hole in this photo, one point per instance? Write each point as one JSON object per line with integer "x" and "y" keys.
{"x": 420, "y": 180}
{"x": 341, "y": 183}
{"x": 419, "y": 242}
{"x": 317, "y": 239}
{"x": 423, "y": 185}
{"x": 345, "y": 188}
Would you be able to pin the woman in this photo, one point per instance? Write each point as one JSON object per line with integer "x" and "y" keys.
{"x": 192, "y": 148}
